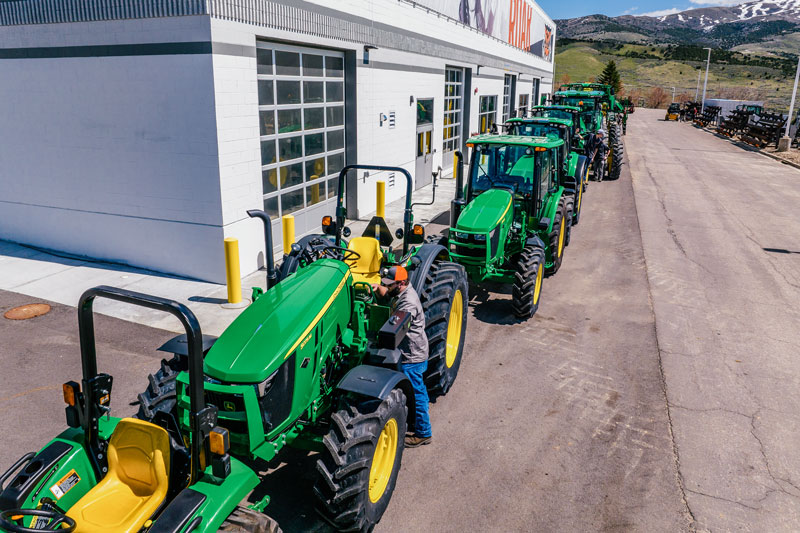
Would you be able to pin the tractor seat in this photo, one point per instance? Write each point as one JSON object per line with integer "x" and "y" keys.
{"x": 135, "y": 485}
{"x": 366, "y": 268}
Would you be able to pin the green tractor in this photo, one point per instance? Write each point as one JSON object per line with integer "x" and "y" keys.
{"x": 575, "y": 171}
{"x": 312, "y": 363}
{"x": 509, "y": 223}
{"x": 598, "y": 107}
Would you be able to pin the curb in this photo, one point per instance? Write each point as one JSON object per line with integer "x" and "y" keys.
{"x": 782, "y": 160}
{"x": 749, "y": 148}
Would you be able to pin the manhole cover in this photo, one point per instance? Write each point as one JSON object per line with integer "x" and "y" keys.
{"x": 23, "y": 312}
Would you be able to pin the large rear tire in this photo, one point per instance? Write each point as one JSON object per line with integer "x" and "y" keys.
{"x": 569, "y": 209}
{"x": 246, "y": 520}
{"x": 358, "y": 467}
{"x": 617, "y": 150}
{"x": 444, "y": 297}
{"x": 160, "y": 394}
{"x": 556, "y": 240}
{"x": 528, "y": 275}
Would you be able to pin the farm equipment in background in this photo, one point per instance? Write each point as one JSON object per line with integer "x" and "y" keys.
{"x": 738, "y": 120}
{"x": 708, "y": 116}
{"x": 692, "y": 110}
{"x": 767, "y": 130}
{"x": 509, "y": 223}
{"x": 673, "y": 112}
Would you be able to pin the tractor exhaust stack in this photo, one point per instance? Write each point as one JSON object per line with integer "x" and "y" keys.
{"x": 457, "y": 205}
{"x": 272, "y": 276}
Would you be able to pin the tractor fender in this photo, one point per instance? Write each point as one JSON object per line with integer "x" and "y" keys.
{"x": 378, "y": 382}
{"x": 427, "y": 254}
{"x": 552, "y": 207}
{"x": 535, "y": 240}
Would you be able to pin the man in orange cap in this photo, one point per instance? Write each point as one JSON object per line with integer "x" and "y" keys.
{"x": 414, "y": 347}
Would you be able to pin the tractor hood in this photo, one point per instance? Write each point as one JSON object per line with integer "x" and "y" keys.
{"x": 272, "y": 328}
{"x": 486, "y": 211}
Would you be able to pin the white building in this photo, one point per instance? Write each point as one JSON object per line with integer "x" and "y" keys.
{"x": 140, "y": 131}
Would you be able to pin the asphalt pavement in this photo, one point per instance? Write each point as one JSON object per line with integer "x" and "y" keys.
{"x": 655, "y": 390}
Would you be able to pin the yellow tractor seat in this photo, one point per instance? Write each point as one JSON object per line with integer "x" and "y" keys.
{"x": 135, "y": 485}
{"x": 366, "y": 268}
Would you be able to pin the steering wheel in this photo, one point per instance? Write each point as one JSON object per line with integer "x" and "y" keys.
{"x": 56, "y": 520}
{"x": 347, "y": 253}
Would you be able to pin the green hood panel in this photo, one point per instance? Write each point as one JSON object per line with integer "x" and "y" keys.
{"x": 271, "y": 328}
{"x": 486, "y": 211}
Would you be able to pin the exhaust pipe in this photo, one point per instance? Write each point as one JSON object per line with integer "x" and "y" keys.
{"x": 272, "y": 276}
{"x": 457, "y": 205}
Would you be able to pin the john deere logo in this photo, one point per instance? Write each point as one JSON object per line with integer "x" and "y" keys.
{"x": 229, "y": 406}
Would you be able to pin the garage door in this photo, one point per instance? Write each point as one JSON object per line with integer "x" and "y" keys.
{"x": 301, "y": 113}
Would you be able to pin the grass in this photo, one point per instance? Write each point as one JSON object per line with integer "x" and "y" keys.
{"x": 582, "y": 61}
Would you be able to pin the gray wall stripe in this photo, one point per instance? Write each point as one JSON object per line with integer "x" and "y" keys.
{"x": 382, "y": 65}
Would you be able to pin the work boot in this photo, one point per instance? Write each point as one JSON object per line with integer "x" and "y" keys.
{"x": 413, "y": 441}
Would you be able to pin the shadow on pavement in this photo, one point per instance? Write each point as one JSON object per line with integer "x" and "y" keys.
{"x": 487, "y": 308}
{"x": 779, "y": 251}
{"x": 290, "y": 486}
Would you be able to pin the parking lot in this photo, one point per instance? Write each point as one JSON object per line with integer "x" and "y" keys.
{"x": 656, "y": 389}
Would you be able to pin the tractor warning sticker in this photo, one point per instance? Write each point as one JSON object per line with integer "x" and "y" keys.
{"x": 65, "y": 484}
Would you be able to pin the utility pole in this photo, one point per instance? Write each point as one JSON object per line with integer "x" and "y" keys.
{"x": 673, "y": 95}
{"x": 697, "y": 90}
{"x": 786, "y": 142}
{"x": 705, "y": 83}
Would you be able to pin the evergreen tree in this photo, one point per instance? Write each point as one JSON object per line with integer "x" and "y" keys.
{"x": 610, "y": 76}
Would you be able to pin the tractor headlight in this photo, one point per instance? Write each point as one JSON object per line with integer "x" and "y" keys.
{"x": 263, "y": 388}
{"x": 460, "y": 235}
{"x": 480, "y": 237}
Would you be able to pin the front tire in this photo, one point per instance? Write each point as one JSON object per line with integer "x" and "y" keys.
{"x": 444, "y": 298}
{"x": 160, "y": 394}
{"x": 617, "y": 150}
{"x": 528, "y": 276}
{"x": 358, "y": 467}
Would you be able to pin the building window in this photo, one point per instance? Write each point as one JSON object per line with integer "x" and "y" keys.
{"x": 522, "y": 110}
{"x": 488, "y": 113}
{"x": 301, "y": 115}
{"x": 535, "y": 92}
{"x": 453, "y": 93}
{"x": 507, "y": 97}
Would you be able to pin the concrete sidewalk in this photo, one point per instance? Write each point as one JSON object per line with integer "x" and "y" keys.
{"x": 43, "y": 274}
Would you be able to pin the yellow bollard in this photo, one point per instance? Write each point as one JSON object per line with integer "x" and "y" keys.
{"x": 232, "y": 272}
{"x": 380, "y": 196}
{"x": 288, "y": 233}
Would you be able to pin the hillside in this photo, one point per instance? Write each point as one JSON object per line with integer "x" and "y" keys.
{"x": 643, "y": 67}
{"x": 725, "y": 27}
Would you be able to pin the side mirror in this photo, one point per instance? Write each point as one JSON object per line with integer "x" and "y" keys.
{"x": 399, "y": 233}
{"x": 346, "y": 231}
{"x": 417, "y": 234}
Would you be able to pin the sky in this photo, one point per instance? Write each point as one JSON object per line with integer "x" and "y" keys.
{"x": 561, "y": 9}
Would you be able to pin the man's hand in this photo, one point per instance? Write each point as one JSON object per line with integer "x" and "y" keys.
{"x": 379, "y": 290}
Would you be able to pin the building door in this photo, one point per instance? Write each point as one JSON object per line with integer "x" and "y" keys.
{"x": 453, "y": 113}
{"x": 302, "y": 134}
{"x": 424, "y": 157}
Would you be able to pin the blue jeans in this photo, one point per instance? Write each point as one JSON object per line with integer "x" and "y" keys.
{"x": 422, "y": 422}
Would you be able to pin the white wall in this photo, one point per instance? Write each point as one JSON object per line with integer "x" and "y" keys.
{"x": 112, "y": 157}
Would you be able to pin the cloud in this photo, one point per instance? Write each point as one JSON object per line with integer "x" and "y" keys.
{"x": 716, "y": 2}
{"x": 662, "y": 12}
{"x": 630, "y": 11}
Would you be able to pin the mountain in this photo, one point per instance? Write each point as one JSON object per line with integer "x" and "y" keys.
{"x": 724, "y": 27}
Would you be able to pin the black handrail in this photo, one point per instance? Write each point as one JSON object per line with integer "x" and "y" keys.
{"x": 194, "y": 337}
{"x": 408, "y": 217}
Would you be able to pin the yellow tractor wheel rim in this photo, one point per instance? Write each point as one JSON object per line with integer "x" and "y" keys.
{"x": 537, "y": 290}
{"x": 580, "y": 198}
{"x": 561, "y": 237}
{"x": 383, "y": 461}
{"x": 454, "y": 329}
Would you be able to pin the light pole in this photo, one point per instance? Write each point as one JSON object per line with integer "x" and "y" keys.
{"x": 786, "y": 142}
{"x": 705, "y": 83}
{"x": 673, "y": 95}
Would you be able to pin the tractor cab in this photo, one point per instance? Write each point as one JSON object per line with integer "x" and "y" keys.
{"x": 589, "y": 102}
{"x": 558, "y": 128}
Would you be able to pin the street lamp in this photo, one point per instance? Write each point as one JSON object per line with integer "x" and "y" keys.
{"x": 673, "y": 95}
{"x": 697, "y": 89}
{"x": 705, "y": 83}
{"x": 786, "y": 142}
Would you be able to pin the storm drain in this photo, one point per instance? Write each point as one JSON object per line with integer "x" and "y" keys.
{"x": 24, "y": 312}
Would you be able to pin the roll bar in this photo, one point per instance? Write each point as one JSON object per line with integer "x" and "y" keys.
{"x": 408, "y": 217}
{"x": 200, "y": 416}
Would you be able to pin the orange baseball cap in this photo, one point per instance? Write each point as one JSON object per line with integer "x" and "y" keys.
{"x": 394, "y": 274}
